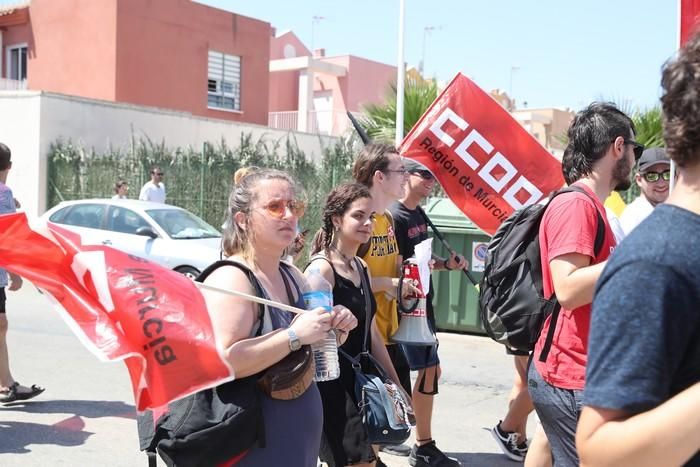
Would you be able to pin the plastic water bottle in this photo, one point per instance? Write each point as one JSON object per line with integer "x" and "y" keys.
{"x": 320, "y": 294}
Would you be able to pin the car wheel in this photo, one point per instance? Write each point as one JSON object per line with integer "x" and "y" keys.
{"x": 188, "y": 271}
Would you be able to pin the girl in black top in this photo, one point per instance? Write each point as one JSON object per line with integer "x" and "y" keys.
{"x": 347, "y": 223}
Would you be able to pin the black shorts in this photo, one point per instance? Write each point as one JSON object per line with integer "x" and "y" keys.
{"x": 516, "y": 352}
{"x": 3, "y": 299}
{"x": 398, "y": 359}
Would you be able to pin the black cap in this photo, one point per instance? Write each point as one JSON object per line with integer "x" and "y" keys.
{"x": 652, "y": 156}
{"x": 412, "y": 166}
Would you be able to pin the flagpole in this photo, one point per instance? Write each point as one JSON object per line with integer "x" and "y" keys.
{"x": 252, "y": 298}
{"x": 400, "y": 76}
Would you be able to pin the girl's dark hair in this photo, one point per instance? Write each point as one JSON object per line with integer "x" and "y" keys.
{"x": 680, "y": 103}
{"x": 337, "y": 204}
{"x": 373, "y": 157}
{"x": 236, "y": 240}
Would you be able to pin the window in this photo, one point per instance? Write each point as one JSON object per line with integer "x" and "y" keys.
{"x": 82, "y": 215}
{"x": 17, "y": 62}
{"x": 125, "y": 220}
{"x": 224, "y": 81}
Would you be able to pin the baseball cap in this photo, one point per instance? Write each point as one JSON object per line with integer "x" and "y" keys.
{"x": 412, "y": 166}
{"x": 651, "y": 157}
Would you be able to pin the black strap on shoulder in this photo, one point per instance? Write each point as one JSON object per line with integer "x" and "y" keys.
{"x": 553, "y": 302}
{"x": 324, "y": 258}
{"x": 251, "y": 277}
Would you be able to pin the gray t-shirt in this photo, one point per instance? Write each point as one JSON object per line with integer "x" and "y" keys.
{"x": 7, "y": 206}
{"x": 644, "y": 343}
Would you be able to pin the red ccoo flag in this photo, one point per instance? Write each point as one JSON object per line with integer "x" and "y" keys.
{"x": 122, "y": 307}
{"x": 488, "y": 164}
{"x": 690, "y": 19}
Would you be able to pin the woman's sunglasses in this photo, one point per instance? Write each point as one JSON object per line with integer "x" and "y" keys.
{"x": 277, "y": 208}
{"x": 652, "y": 177}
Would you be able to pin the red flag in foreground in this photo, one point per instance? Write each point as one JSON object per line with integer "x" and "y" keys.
{"x": 488, "y": 164}
{"x": 690, "y": 19}
{"x": 122, "y": 308}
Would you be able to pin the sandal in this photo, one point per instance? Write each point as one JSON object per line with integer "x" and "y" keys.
{"x": 12, "y": 394}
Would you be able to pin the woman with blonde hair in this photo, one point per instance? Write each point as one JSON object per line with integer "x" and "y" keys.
{"x": 262, "y": 217}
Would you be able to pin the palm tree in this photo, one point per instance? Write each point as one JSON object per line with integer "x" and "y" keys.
{"x": 380, "y": 119}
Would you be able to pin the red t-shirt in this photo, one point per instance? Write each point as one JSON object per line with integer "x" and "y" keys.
{"x": 569, "y": 226}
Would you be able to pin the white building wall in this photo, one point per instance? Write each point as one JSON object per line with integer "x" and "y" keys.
{"x": 30, "y": 121}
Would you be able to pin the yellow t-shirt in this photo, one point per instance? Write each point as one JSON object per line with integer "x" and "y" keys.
{"x": 382, "y": 261}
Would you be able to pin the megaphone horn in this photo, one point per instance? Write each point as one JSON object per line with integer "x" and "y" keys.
{"x": 413, "y": 328}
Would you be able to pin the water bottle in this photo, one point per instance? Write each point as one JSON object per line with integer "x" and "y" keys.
{"x": 320, "y": 294}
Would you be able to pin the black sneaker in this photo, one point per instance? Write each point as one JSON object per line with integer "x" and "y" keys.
{"x": 428, "y": 455}
{"x": 508, "y": 442}
{"x": 401, "y": 450}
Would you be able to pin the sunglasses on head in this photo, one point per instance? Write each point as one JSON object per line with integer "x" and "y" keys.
{"x": 638, "y": 148}
{"x": 652, "y": 177}
{"x": 424, "y": 174}
{"x": 277, "y": 208}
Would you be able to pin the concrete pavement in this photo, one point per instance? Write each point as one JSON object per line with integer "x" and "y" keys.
{"x": 86, "y": 415}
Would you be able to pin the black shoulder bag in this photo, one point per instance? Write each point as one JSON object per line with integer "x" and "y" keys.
{"x": 385, "y": 408}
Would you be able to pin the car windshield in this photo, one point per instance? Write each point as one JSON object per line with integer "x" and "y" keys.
{"x": 181, "y": 224}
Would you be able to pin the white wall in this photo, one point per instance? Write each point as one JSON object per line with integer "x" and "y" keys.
{"x": 30, "y": 121}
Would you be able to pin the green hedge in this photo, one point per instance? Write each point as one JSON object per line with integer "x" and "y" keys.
{"x": 197, "y": 179}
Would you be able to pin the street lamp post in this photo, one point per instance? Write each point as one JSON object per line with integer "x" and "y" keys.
{"x": 513, "y": 69}
{"x": 314, "y": 21}
{"x": 400, "y": 77}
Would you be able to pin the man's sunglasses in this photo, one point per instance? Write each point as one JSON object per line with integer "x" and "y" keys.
{"x": 160, "y": 174}
{"x": 424, "y": 174}
{"x": 277, "y": 208}
{"x": 638, "y": 148}
{"x": 653, "y": 177}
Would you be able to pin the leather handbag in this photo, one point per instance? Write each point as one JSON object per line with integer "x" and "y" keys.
{"x": 385, "y": 407}
{"x": 290, "y": 377}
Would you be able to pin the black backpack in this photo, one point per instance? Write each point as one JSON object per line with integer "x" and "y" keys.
{"x": 511, "y": 297}
{"x": 212, "y": 425}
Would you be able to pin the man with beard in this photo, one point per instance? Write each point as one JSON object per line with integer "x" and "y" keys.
{"x": 603, "y": 151}
{"x": 653, "y": 177}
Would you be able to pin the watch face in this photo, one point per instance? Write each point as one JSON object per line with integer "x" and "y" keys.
{"x": 294, "y": 343}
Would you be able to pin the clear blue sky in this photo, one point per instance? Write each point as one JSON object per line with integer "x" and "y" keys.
{"x": 568, "y": 53}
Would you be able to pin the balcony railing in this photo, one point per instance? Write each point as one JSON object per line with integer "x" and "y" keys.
{"x": 12, "y": 84}
{"x": 322, "y": 122}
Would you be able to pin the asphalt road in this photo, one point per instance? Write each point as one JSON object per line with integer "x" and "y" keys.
{"x": 86, "y": 416}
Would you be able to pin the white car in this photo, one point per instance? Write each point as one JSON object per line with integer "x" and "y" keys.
{"x": 170, "y": 236}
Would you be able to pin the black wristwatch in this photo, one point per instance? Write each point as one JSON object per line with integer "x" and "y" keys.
{"x": 294, "y": 342}
{"x": 445, "y": 262}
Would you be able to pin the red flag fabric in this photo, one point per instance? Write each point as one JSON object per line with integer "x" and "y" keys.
{"x": 690, "y": 19}
{"x": 122, "y": 307}
{"x": 486, "y": 162}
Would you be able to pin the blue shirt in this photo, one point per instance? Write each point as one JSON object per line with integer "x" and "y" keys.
{"x": 644, "y": 344}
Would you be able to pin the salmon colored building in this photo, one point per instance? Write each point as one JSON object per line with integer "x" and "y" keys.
{"x": 311, "y": 92}
{"x": 172, "y": 54}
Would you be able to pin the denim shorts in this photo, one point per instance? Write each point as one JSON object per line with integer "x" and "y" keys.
{"x": 558, "y": 409}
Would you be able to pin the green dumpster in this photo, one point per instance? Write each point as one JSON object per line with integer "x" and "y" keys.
{"x": 456, "y": 299}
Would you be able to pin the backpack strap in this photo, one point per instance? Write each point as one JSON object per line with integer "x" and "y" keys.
{"x": 597, "y": 246}
{"x": 251, "y": 277}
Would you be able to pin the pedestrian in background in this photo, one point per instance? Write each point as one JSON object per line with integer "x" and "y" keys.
{"x": 154, "y": 189}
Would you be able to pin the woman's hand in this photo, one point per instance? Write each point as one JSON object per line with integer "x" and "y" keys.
{"x": 313, "y": 325}
{"x": 343, "y": 322}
